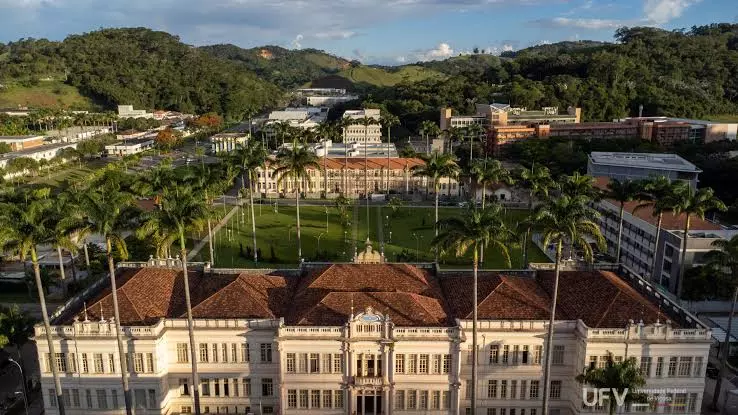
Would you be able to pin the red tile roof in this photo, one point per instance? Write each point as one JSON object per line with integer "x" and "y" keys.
{"x": 669, "y": 220}
{"x": 411, "y": 296}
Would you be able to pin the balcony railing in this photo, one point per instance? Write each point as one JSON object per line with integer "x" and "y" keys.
{"x": 367, "y": 380}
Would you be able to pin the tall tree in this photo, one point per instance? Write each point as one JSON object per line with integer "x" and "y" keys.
{"x": 476, "y": 229}
{"x": 294, "y": 164}
{"x": 26, "y": 221}
{"x": 692, "y": 203}
{"x": 658, "y": 195}
{"x": 344, "y": 123}
{"x": 109, "y": 214}
{"x": 624, "y": 377}
{"x": 428, "y": 129}
{"x": 250, "y": 158}
{"x": 473, "y": 132}
{"x": 436, "y": 167}
{"x": 537, "y": 179}
{"x": 622, "y": 192}
{"x": 388, "y": 120}
{"x": 567, "y": 219}
{"x": 488, "y": 172}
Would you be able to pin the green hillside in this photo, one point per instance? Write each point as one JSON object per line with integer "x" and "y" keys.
{"x": 377, "y": 76}
{"x": 46, "y": 94}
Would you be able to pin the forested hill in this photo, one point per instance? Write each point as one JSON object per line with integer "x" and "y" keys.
{"x": 283, "y": 67}
{"x": 138, "y": 66}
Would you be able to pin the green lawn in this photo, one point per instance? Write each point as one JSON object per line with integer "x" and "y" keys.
{"x": 47, "y": 94}
{"x": 70, "y": 171}
{"x": 382, "y": 77}
{"x": 411, "y": 229}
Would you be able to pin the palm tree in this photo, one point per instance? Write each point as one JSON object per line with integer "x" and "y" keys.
{"x": 489, "y": 172}
{"x": 109, "y": 214}
{"x": 250, "y": 158}
{"x": 184, "y": 211}
{"x": 293, "y": 164}
{"x": 474, "y": 131}
{"x": 538, "y": 181}
{"x": 565, "y": 219}
{"x": 658, "y": 194}
{"x": 578, "y": 184}
{"x": 476, "y": 229}
{"x": 327, "y": 131}
{"x": 624, "y": 377}
{"x": 693, "y": 203}
{"x": 436, "y": 167}
{"x": 427, "y": 129}
{"x": 725, "y": 256}
{"x": 622, "y": 192}
{"x": 26, "y": 221}
{"x": 388, "y": 120}
{"x": 343, "y": 124}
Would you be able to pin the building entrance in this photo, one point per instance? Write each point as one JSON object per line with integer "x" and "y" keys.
{"x": 369, "y": 404}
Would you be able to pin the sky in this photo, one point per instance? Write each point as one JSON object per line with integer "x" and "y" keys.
{"x": 371, "y": 31}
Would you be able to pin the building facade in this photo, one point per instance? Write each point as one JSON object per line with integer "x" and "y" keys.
{"x": 366, "y": 339}
{"x": 127, "y": 111}
{"x": 129, "y": 147}
{"x": 357, "y": 132}
{"x": 22, "y": 142}
{"x": 640, "y": 166}
{"x": 227, "y": 142}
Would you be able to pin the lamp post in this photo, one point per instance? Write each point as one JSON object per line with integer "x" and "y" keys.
{"x": 326, "y": 218}
{"x": 23, "y": 392}
{"x": 321, "y": 234}
{"x": 417, "y": 246}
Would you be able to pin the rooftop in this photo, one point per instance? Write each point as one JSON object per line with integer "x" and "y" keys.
{"x": 657, "y": 161}
{"x": 131, "y": 143}
{"x": 38, "y": 149}
{"x": 325, "y": 295}
{"x": 19, "y": 138}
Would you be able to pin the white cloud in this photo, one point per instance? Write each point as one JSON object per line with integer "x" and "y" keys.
{"x": 401, "y": 59}
{"x": 507, "y": 48}
{"x": 662, "y": 11}
{"x": 297, "y": 42}
{"x": 440, "y": 52}
{"x": 335, "y": 34}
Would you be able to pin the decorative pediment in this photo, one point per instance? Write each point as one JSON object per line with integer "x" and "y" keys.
{"x": 368, "y": 255}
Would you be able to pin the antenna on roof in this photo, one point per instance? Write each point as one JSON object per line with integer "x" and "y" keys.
{"x": 85, "y": 305}
{"x": 658, "y": 316}
{"x": 352, "y": 305}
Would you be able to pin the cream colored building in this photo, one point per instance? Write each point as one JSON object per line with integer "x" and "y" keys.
{"x": 227, "y": 142}
{"x": 358, "y": 132}
{"x": 367, "y": 339}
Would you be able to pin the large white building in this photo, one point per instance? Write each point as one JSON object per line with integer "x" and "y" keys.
{"x": 127, "y": 111}
{"x": 641, "y": 166}
{"x": 367, "y": 339}
{"x": 357, "y": 132}
{"x": 306, "y": 118}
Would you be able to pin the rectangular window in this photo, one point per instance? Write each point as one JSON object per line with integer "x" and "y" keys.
{"x": 423, "y": 364}
{"x": 327, "y": 364}
{"x": 205, "y": 387}
{"x": 203, "y": 352}
{"x": 327, "y": 399}
{"x": 303, "y": 399}
{"x": 184, "y": 387}
{"x": 516, "y": 353}
{"x": 114, "y": 398}
{"x": 524, "y": 357}
{"x": 139, "y": 398}
{"x": 150, "y": 363}
{"x": 555, "y": 389}
{"x": 698, "y": 369}
{"x": 446, "y": 368}
{"x": 400, "y": 363}
{"x": 445, "y": 402}
{"x": 302, "y": 363}
{"x": 234, "y": 352}
{"x": 494, "y": 354}
{"x": 224, "y": 352}
{"x": 659, "y": 366}
{"x": 214, "y": 356}
{"x": 98, "y": 358}
{"x": 492, "y": 389}
{"x": 314, "y": 363}
{"x": 436, "y": 400}
{"x": 537, "y": 355}
{"x": 338, "y": 403}
{"x": 436, "y": 363}
{"x": 75, "y": 398}
{"x": 246, "y": 382}
{"x": 505, "y": 354}
{"x": 412, "y": 399}
{"x": 216, "y": 387}
{"x": 52, "y": 397}
{"x": 558, "y": 355}
{"x": 523, "y": 389}
{"x": 266, "y": 352}
{"x": 244, "y": 352}
{"x": 534, "y": 386}
{"x": 88, "y": 398}
{"x": 692, "y": 403}
{"x": 267, "y": 386}
{"x": 138, "y": 362}
{"x": 152, "y": 399}
{"x": 679, "y": 403}
{"x": 685, "y": 366}
{"x": 290, "y": 363}
{"x": 337, "y": 363}
{"x": 85, "y": 367}
{"x": 400, "y": 400}
{"x": 513, "y": 389}
{"x": 503, "y": 389}
{"x": 183, "y": 355}
{"x": 67, "y": 399}
{"x": 491, "y": 411}
{"x": 423, "y": 400}
{"x": 672, "y": 366}
{"x": 292, "y": 398}
{"x": 315, "y": 399}
{"x": 646, "y": 366}
{"x": 412, "y": 364}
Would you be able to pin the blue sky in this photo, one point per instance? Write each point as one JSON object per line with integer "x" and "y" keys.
{"x": 373, "y": 31}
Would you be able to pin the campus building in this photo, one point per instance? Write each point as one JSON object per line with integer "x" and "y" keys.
{"x": 697, "y": 131}
{"x": 44, "y": 152}
{"x": 227, "y": 142}
{"x": 357, "y": 132}
{"x": 129, "y": 147}
{"x": 496, "y": 114}
{"x": 22, "y": 142}
{"x": 640, "y": 166}
{"x": 127, "y": 111}
{"x": 639, "y": 248}
{"x": 306, "y": 118}
{"x": 366, "y": 339}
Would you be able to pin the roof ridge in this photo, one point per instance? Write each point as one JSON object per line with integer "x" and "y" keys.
{"x": 420, "y": 303}
{"x": 488, "y": 295}
{"x": 135, "y": 308}
{"x": 213, "y": 294}
{"x": 609, "y": 306}
{"x": 523, "y": 293}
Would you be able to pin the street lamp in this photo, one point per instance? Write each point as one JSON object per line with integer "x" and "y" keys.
{"x": 390, "y": 239}
{"x": 326, "y": 218}
{"x": 23, "y": 392}
{"x": 417, "y": 245}
{"x": 321, "y": 234}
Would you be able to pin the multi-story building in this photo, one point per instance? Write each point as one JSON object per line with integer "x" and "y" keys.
{"x": 345, "y": 175}
{"x": 495, "y": 114}
{"x": 357, "y": 132}
{"x": 129, "y": 147}
{"x": 45, "y": 152}
{"x": 366, "y": 339}
{"x": 328, "y": 100}
{"x": 306, "y": 118}
{"x": 698, "y": 131}
{"x": 227, "y": 142}
{"x": 127, "y": 111}
{"x": 22, "y": 142}
{"x": 638, "y": 166}
{"x": 639, "y": 250}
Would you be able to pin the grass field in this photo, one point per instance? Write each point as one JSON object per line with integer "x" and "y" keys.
{"x": 730, "y": 118}
{"x": 381, "y": 77}
{"x": 411, "y": 229}
{"x": 44, "y": 95}
{"x": 70, "y": 171}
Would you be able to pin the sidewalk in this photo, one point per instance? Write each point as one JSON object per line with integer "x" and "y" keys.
{"x": 198, "y": 247}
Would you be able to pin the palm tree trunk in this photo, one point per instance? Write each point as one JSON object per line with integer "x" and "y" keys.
{"x": 47, "y": 328}
{"x": 389, "y": 144}
{"x": 190, "y": 327}
{"x": 726, "y": 351}
{"x": 435, "y": 224}
{"x": 683, "y": 266}
{"x": 484, "y": 194}
{"x": 73, "y": 267}
{"x": 87, "y": 257}
{"x": 474, "y": 335}
{"x": 297, "y": 205}
{"x": 471, "y": 149}
{"x": 252, "y": 188}
{"x": 527, "y": 235}
{"x": 118, "y": 337}
{"x": 656, "y": 247}
{"x": 620, "y": 233}
{"x": 549, "y": 336}
{"x": 62, "y": 273}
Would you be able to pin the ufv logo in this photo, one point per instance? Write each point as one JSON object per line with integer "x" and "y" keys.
{"x": 597, "y": 396}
